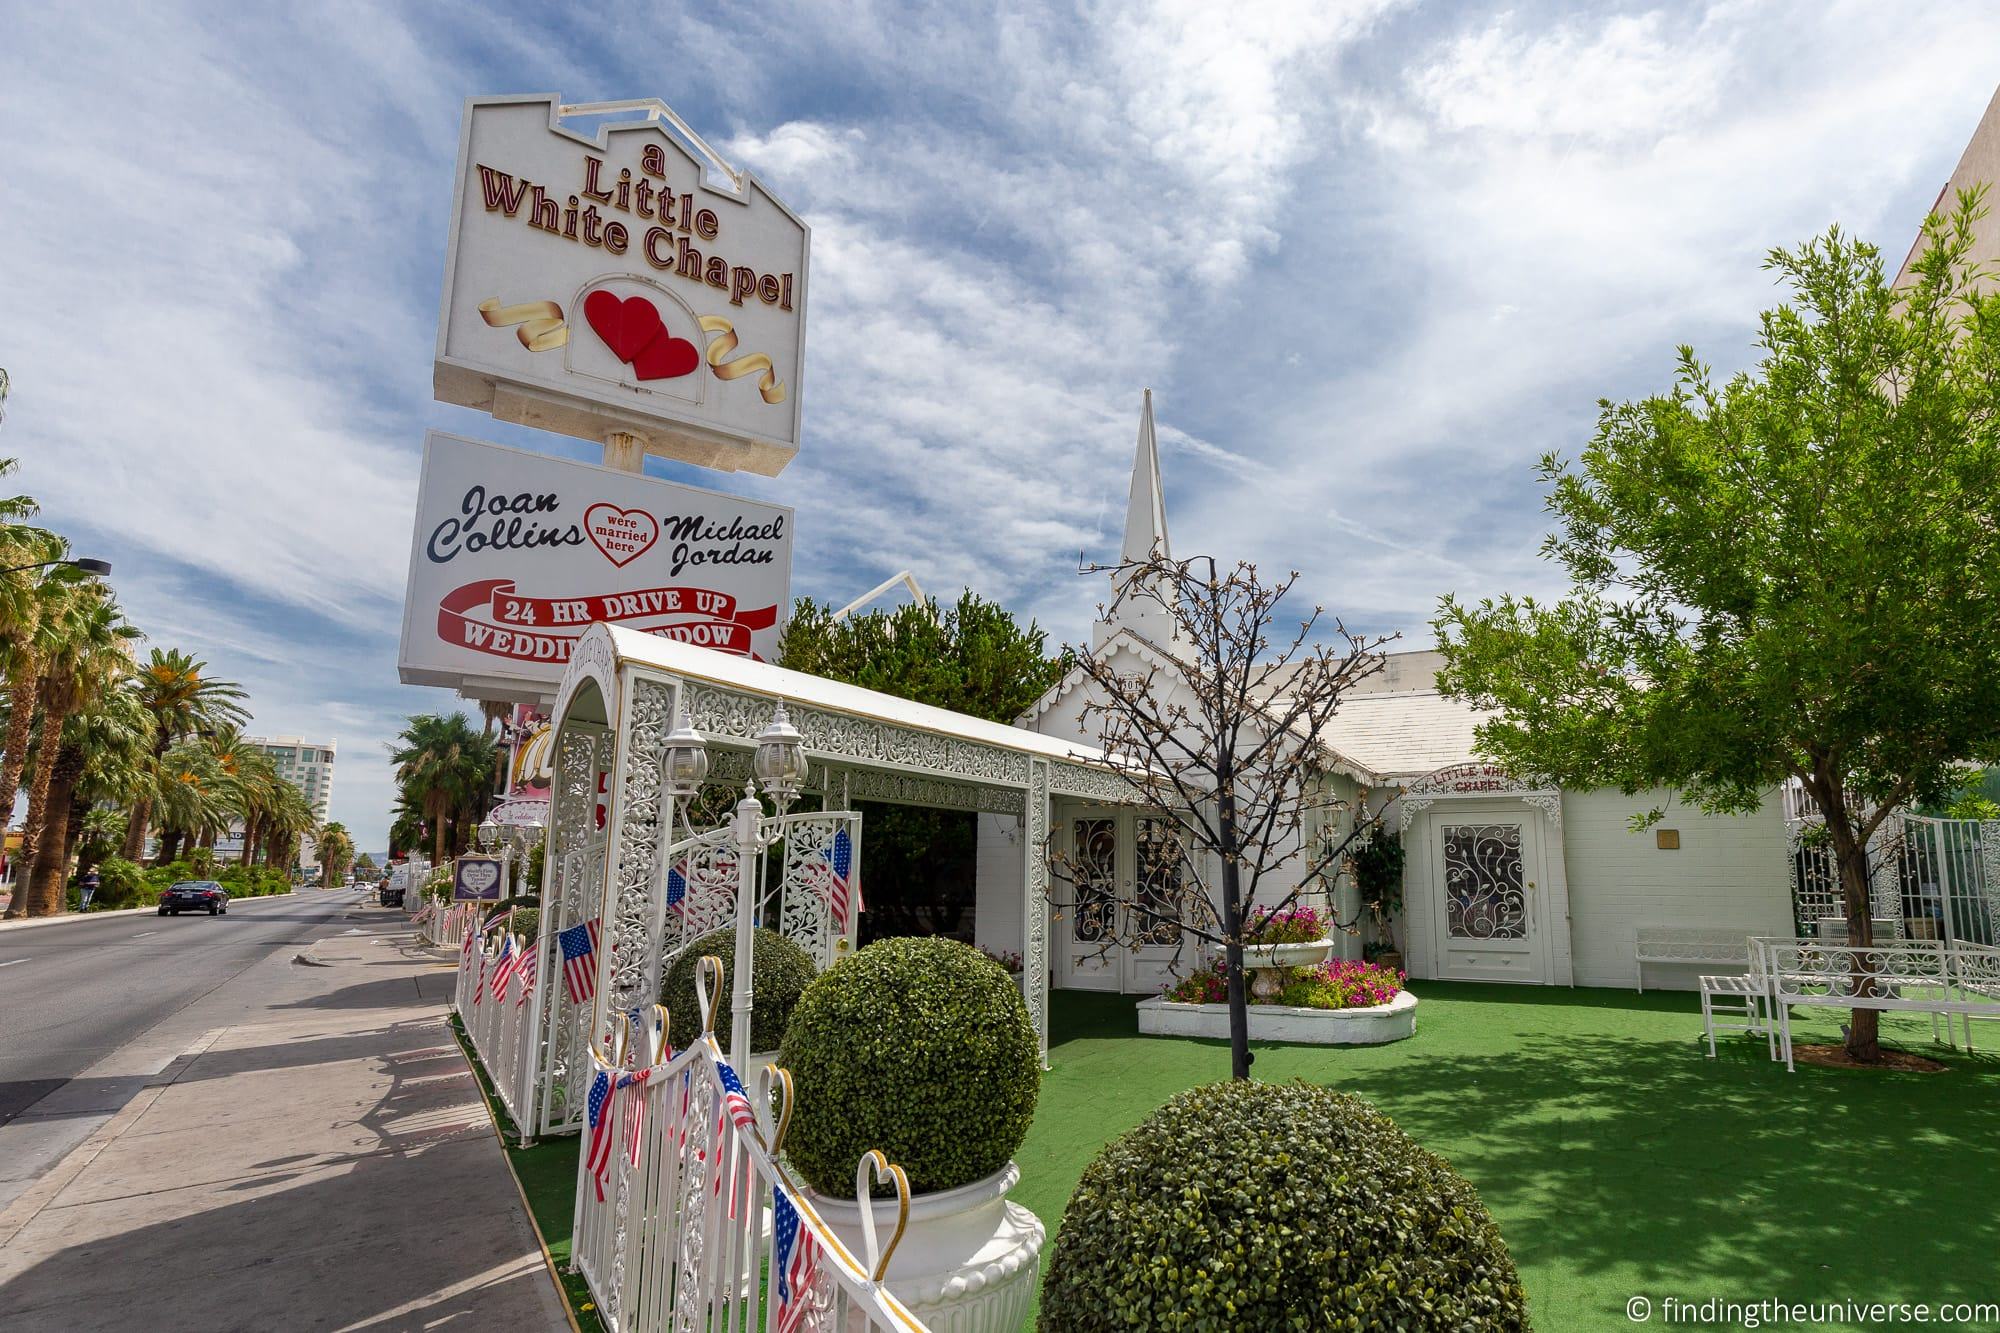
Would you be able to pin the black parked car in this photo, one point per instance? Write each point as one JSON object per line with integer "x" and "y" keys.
{"x": 195, "y": 895}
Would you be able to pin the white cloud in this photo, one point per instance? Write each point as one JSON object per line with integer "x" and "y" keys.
{"x": 1373, "y": 257}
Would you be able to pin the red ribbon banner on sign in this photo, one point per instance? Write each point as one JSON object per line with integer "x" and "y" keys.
{"x": 491, "y": 617}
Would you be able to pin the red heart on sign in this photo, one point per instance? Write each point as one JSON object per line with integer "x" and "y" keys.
{"x": 622, "y": 534}
{"x": 626, "y": 326}
{"x": 666, "y": 358}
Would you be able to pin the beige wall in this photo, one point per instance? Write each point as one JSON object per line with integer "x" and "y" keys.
{"x": 1978, "y": 165}
{"x": 1730, "y": 873}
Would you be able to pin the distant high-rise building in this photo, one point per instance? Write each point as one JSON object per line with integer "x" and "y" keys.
{"x": 307, "y": 764}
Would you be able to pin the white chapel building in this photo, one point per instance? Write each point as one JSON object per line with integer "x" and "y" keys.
{"x": 1501, "y": 882}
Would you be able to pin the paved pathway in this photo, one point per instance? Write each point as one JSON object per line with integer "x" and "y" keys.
{"x": 322, "y": 1161}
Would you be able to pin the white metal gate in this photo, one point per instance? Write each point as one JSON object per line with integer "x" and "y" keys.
{"x": 1952, "y": 877}
{"x": 813, "y": 899}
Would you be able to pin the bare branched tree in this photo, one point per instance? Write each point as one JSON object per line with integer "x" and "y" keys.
{"x": 1221, "y": 738}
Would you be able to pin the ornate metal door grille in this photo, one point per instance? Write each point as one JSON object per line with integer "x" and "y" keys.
{"x": 1096, "y": 843}
{"x": 1485, "y": 889}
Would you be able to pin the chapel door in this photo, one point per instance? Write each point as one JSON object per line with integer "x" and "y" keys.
{"x": 1486, "y": 877}
{"x": 1090, "y": 929}
{"x": 1155, "y": 903}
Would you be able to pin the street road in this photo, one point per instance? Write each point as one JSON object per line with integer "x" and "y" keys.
{"x": 90, "y": 1008}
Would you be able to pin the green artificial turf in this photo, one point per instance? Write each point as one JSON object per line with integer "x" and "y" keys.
{"x": 1618, "y": 1160}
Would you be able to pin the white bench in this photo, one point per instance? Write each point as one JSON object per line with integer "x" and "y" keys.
{"x": 1682, "y": 944}
{"x": 1944, "y": 980}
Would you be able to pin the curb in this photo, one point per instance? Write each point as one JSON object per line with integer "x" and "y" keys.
{"x": 527, "y": 1209}
{"x": 61, "y": 918}
{"x": 23, "y": 1210}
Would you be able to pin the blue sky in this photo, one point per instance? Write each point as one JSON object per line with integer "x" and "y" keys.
{"x": 1373, "y": 258}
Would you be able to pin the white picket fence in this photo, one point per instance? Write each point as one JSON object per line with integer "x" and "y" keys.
{"x": 504, "y": 1027}
{"x": 447, "y": 924}
{"x": 672, "y": 1230}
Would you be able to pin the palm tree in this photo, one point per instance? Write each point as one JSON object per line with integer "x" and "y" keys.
{"x": 89, "y": 652}
{"x": 189, "y": 796}
{"x": 113, "y": 738}
{"x": 289, "y": 815}
{"x": 246, "y": 774}
{"x": 254, "y": 784}
{"x": 26, "y": 601}
{"x": 445, "y": 768}
{"x": 336, "y": 851}
{"x": 183, "y": 698}
{"x": 406, "y": 830}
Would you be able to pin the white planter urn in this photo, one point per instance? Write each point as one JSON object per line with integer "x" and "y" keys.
{"x": 1268, "y": 961}
{"x": 968, "y": 1261}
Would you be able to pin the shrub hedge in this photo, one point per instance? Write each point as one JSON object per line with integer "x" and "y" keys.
{"x": 919, "y": 1047}
{"x": 1276, "y": 1206}
{"x": 779, "y": 971}
{"x": 123, "y": 884}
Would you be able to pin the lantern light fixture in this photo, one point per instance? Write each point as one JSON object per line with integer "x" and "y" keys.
{"x": 684, "y": 762}
{"x": 780, "y": 760}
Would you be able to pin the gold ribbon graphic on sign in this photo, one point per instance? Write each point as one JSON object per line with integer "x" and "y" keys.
{"x": 725, "y": 343}
{"x": 541, "y": 322}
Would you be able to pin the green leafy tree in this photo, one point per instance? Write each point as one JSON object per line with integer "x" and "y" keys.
{"x": 972, "y": 657}
{"x": 1792, "y": 576}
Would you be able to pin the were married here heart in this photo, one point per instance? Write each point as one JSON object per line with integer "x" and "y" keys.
{"x": 623, "y": 535}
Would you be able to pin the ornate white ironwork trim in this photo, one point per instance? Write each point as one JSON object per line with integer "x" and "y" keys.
{"x": 874, "y": 784}
{"x": 1549, "y": 803}
{"x": 1035, "y": 912}
{"x": 719, "y": 711}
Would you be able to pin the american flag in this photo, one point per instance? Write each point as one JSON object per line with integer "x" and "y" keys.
{"x": 677, "y": 887}
{"x": 734, "y": 1100}
{"x": 597, "y": 1157}
{"x": 632, "y": 1087}
{"x": 840, "y": 878}
{"x": 795, "y": 1259}
{"x": 504, "y": 970}
{"x": 579, "y": 951}
{"x": 531, "y": 958}
{"x": 478, "y": 986}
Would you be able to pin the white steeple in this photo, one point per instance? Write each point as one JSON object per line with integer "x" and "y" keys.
{"x": 1146, "y": 509}
{"x": 1145, "y": 533}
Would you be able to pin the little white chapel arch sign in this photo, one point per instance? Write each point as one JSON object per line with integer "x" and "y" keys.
{"x": 1475, "y": 779}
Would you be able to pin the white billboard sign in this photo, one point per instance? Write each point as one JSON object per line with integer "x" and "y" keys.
{"x": 625, "y": 280}
{"x": 516, "y": 554}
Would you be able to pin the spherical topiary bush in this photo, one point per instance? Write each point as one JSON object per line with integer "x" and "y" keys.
{"x": 779, "y": 971}
{"x": 919, "y": 1047}
{"x": 1276, "y": 1206}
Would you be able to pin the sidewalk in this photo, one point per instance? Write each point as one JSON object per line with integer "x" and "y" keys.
{"x": 327, "y": 1166}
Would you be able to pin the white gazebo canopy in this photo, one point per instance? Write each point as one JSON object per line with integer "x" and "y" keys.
{"x": 622, "y": 694}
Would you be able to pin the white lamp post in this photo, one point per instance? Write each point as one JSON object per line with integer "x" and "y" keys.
{"x": 780, "y": 765}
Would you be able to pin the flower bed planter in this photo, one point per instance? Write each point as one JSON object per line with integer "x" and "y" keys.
{"x": 1269, "y": 961}
{"x": 1161, "y": 1017}
{"x": 968, "y": 1262}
